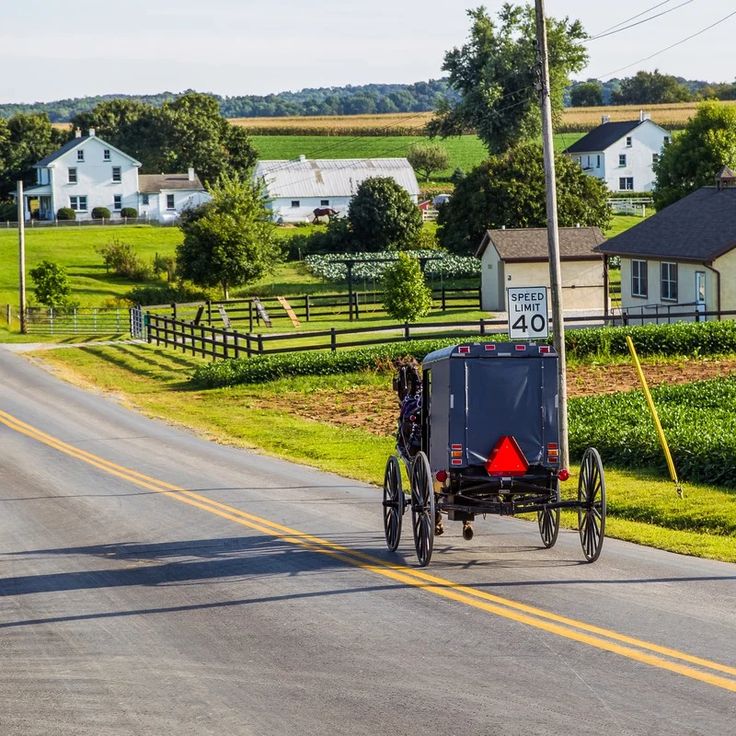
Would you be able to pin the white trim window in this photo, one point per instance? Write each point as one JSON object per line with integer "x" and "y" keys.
{"x": 106, "y": 154}
{"x": 117, "y": 174}
{"x": 144, "y": 200}
{"x": 78, "y": 203}
{"x": 324, "y": 203}
{"x": 170, "y": 204}
{"x": 639, "y": 281}
{"x": 622, "y": 159}
{"x": 668, "y": 276}
{"x": 72, "y": 176}
{"x": 629, "y": 141}
{"x": 295, "y": 203}
{"x": 80, "y": 154}
{"x": 626, "y": 183}
{"x": 117, "y": 202}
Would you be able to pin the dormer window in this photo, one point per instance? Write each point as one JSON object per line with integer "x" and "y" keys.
{"x": 80, "y": 155}
{"x": 116, "y": 173}
{"x": 106, "y": 154}
{"x": 72, "y": 176}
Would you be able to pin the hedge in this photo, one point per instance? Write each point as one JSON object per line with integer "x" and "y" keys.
{"x": 705, "y": 338}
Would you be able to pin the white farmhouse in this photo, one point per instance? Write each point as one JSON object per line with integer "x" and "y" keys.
{"x": 297, "y": 188}
{"x": 621, "y": 154}
{"x": 88, "y": 172}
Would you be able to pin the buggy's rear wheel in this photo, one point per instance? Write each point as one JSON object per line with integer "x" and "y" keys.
{"x": 592, "y": 508}
{"x": 393, "y": 503}
{"x": 422, "y": 508}
{"x": 549, "y": 519}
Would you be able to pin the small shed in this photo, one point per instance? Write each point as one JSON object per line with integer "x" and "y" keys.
{"x": 519, "y": 257}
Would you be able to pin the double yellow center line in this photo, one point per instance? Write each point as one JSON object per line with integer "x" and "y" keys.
{"x": 665, "y": 658}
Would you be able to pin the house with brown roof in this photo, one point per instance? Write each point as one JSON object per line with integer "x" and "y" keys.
{"x": 683, "y": 258}
{"x": 163, "y": 196}
{"x": 520, "y": 257}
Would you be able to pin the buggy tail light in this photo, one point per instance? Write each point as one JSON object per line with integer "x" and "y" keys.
{"x": 506, "y": 458}
{"x": 520, "y": 348}
{"x": 544, "y": 349}
{"x": 441, "y": 475}
{"x": 463, "y": 349}
{"x": 564, "y": 474}
{"x": 490, "y": 347}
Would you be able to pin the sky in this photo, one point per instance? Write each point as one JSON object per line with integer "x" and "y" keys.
{"x": 54, "y": 49}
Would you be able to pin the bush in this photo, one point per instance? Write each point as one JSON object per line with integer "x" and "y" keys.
{"x": 165, "y": 264}
{"x": 66, "y": 213}
{"x": 51, "y": 284}
{"x": 122, "y": 260}
{"x": 130, "y": 212}
{"x": 100, "y": 213}
{"x": 406, "y": 296}
{"x": 8, "y": 211}
{"x": 147, "y": 295}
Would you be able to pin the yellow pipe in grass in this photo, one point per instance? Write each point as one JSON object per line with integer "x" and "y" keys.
{"x": 655, "y": 416}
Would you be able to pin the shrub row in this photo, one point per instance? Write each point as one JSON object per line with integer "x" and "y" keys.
{"x": 699, "y": 420}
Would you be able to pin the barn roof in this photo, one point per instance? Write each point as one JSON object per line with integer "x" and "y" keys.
{"x": 305, "y": 177}
{"x": 530, "y": 244}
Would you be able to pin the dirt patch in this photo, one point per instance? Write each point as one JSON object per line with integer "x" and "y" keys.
{"x": 375, "y": 409}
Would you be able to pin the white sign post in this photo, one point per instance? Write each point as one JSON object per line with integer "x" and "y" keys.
{"x": 528, "y": 314}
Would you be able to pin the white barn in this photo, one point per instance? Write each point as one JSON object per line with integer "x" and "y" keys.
{"x": 296, "y": 188}
{"x": 87, "y": 172}
{"x": 621, "y": 154}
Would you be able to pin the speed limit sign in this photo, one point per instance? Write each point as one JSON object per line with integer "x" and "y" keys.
{"x": 527, "y": 307}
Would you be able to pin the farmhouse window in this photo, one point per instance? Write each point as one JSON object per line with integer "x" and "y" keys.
{"x": 295, "y": 203}
{"x": 598, "y": 161}
{"x": 626, "y": 183}
{"x": 666, "y": 140}
{"x": 324, "y": 203}
{"x": 144, "y": 199}
{"x": 170, "y": 202}
{"x": 622, "y": 159}
{"x": 72, "y": 176}
{"x": 117, "y": 201}
{"x": 106, "y": 154}
{"x": 78, "y": 204}
{"x": 669, "y": 281}
{"x": 80, "y": 155}
{"x": 628, "y": 141}
{"x": 116, "y": 173}
{"x": 639, "y": 286}
{"x": 655, "y": 158}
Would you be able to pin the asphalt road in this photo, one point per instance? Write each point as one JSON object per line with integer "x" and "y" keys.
{"x": 152, "y": 582}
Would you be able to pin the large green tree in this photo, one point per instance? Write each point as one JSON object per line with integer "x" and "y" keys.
{"x": 509, "y": 191}
{"x": 650, "y": 88}
{"x": 229, "y": 241}
{"x": 24, "y": 140}
{"x": 188, "y": 131}
{"x": 496, "y": 74}
{"x": 427, "y": 157}
{"x": 382, "y": 215}
{"x": 586, "y": 94}
{"x": 695, "y": 156}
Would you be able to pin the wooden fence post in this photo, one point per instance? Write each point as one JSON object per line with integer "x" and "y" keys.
{"x": 444, "y": 303}
{"x": 235, "y": 344}
{"x": 482, "y": 327}
{"x": 406, "y": 331}
{"x": 306, "y": 307}
{"x": 355, "y": 300}
{"x": 333, "y": 339}
{"x": 173, "y": 310}
{"x": 260, "y": 344}
{"x": 209, "y": 311}
{"x": 250, "y": 315}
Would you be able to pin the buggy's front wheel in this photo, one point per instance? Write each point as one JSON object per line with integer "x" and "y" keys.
{"x": 393, "y": 503}
{"x": 422, "y": 508}
{"x": 591, "y": 504}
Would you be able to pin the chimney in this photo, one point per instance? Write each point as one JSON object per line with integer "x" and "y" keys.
{"x": 605, "y": 119}
{"x": 644, "y": 116}
{"x": 190, "y": 173}
{"x": 302, "y": 157}
{"x": 77, "y": 132}
{"x": 91, "y": 132}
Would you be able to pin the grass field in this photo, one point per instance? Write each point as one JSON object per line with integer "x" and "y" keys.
{"x": 255, "y": 416}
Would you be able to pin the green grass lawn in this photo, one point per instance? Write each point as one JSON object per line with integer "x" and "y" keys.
{"x": 465, "y": 151}
{"x": 155, "y": 381}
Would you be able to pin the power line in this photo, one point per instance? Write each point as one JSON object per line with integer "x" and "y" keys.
{"x": 633, "y": 17}
{"x": 639, "y": 22}
{"x": 667, "y": 48}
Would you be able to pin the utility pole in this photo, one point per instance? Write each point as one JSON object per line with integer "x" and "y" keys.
{"x": 22, "y": 255}
{"x": 553, "y": 235}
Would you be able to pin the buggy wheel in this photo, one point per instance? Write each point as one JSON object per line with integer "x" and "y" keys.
{"x": 592, "y": 508}
{"x": 422, "y": 508}
{"x": 549, "y": 519}
{"x": 393, "y": 503}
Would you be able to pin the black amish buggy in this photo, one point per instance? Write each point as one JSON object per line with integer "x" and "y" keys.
{"x": 478, "y": 434}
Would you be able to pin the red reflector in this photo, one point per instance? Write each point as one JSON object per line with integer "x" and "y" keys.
{"x": 490, "y": 347}
{"x": 456, "y": 447}
{"x": 552, "y": 445}
{"x": 507, "y": 458}
{"x": 552, "y": 460}
{"x": 441, "y": 475}
{"x": 564, "y": 474}
{"x": 544, "y": 349}
{"x": 456, "y": 462}
{"x": 464, "y": 349}
{"x": 520, "y": 348}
